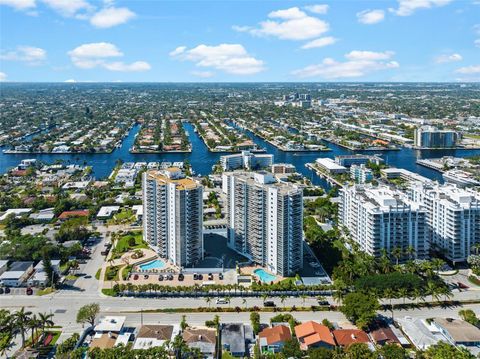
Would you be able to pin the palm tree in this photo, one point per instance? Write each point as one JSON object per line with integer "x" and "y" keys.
{"x": 402, "y": 293}
{"x": 476, "y": 248}
{"x": 244, "y": 301}
{"x": 45, "y": 321}
{"x": 21, "y": 319}
{"x": 417, "y": 295}
{"x": 410, "y": 251}
{"x": 33, "y": 324}
{"x": 228, "y": 299}
{"x": 264, "y": 297}
{"x": 397, "y": 253}
{"x": 208, "y": 300}
{"x": 283, "y": 298}
{"x": 433, "y": 290}
{"x": 390, "y": 294}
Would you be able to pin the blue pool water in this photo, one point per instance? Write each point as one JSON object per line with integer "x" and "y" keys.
{"x": 155, "y": 264}
{"x": 264, "y": 276}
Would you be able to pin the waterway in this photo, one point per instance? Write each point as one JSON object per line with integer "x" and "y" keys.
{"x": 202, "y": 160}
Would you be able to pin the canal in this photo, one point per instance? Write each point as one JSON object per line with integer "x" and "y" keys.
{"x": 202, "y": 160}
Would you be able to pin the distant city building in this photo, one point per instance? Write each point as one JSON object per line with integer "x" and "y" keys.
{"x": 349, "y": 160}
{"x": 431, "y": 137}
{"x": 265, "y": 220}
{"x": 379, "y": 218}
{"x": 173, "y": 216}
{"x": 361, "y": 174}
{"x": 330, "y": 166}
{"x": 401, "y": 173}
{"x": 283, "y": 168}
{"x": 247, "y": 160}
{"x": 453, "y": 218}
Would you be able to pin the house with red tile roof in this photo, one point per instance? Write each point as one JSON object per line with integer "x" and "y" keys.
{"x": 346, "y": 337}
{"x": 272, "y": 339}
{"x": 314, "y": 335}
{"x": 72, "y": 214}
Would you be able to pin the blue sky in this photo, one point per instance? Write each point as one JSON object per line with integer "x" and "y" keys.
{"x": 183, "y": 41}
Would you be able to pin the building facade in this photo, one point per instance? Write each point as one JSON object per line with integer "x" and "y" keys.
{"x": 453, "y": 218}
{"x": 431, "y": 137}
{"x": 247, "y": 160}
{"x": 382, "y": 219}
{"x": 265, "y": 220}
{"x": 173, "y": 216}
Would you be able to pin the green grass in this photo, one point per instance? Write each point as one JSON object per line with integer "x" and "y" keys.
{"x": 71, "y": 277}
{"x": 111, "y": 273}
{"x": 474, "y": 280}
{"x": 45, "y": 291}
{"x": 97, "y": 275}
{"x": 476, "y": 137}
{"x": 124, "y": 216}
{"x": 126, "y": 271}
{"x": 124, "y": 246}
{"x": 109, "y": 292}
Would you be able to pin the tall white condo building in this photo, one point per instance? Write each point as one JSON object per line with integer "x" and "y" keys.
{"x": 173, "y": 216}
{"x": 265, "y": 220}
{"x": 453, "y": 218}
{"x": 379, "y": 218}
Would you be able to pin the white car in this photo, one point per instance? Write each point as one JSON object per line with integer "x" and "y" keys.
{"x": 221, "y": 301}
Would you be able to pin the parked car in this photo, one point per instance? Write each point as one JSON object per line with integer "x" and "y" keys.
{"x": 181, "y": 277}
{"x": 135, "y": 277}
{"x": 221, "y": 301}
{"x": 210, "y": 276}
{"x": 220, "y": 276}
{"x": 269, "y": 303}
{"x": 29, "y": 291}
{"x": 2, "y": 291}
{"x": 145, "y": 276}
{"x": 160, "y": 277}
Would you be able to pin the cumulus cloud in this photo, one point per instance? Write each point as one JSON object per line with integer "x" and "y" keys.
{"x": 29, "y": 54}
{"x": 288, "y": 24}
{"x": 230, "y": 58}
{"x": 467, "y": 70}
{"x": 3, "y": 76}
{"x": 318, "y": 9}
{"x": 370, "y": 17}
{"x": 321, "y": 42}
{"x": 88, "y": 56}
{"x": 111, "y": 16}
{"x": 441, "y": 59}
{"x": 70, "y": 81}
{"x": 21, "y": 5}
{"x": 70, "y": 8}
{"x": 358, "y": 64}
{"x": 408, "y": 7}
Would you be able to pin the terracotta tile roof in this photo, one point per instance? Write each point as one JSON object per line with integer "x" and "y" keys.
{"x": 345, "y": 337}
{"x": 384, "y": 334}
{"x": 311, "y": 332}
{"x": 278, "y": 333}
{"x": 79, "y": 213}
{"x": 160, "y": 332}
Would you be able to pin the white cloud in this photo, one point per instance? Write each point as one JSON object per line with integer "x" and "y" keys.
{"x": 358, "y": 64}
{"x": 203, "y": 74}
{"x": 321, "y": 42}
{"x": 3, "y": 76}
{"x": 177, "y": 51}
{"x": 370, "y": 17}
{"x": 441, "y": 59}
{"x": 70, "y": 8}
{"x": 467, "y": 70}
{"x": 19, "y": 4}
{"x": 288, "y": 24}
{"x": 230, "y": 58}
{"x": 369, "y": 55}
{"x": 477, "y": 42}
{"x": 88, "y": 56}
{"x": 318, "y": 9}
{"x": 408, "y": 7}
{"x": 29, "y": 54}
{"x": 111, "y": 16}
{"x": 136, "y": 66}
{"x": 70, "y": 81}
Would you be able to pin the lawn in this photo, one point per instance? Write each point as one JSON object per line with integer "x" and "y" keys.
{"x": 97, "y": 275}
{"x": 124, "y": 216}
{"x": 45, "y": 291}
{"x": 111, "y": 273}
{"x": 126, "y": 243}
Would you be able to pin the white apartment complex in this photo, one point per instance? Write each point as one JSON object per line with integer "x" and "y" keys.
{"x": 265, "y": 220}
{"x": 379, "y": 218}
{"x": 173, "y": 216}
{"x": 453, "y": 218}
{"x": 246, "y": 159}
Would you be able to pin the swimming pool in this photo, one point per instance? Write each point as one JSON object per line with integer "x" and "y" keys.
{"x": 155, "y": 264}
{"x": 264, "y": 276}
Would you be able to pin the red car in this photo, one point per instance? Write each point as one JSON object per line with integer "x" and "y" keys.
{"x": 135, "y": 277}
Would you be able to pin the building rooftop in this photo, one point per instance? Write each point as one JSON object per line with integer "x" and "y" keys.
{"x": 233, "y": 338}
{"x": 459, "y": 330}
{"x": 346, "y": 337}
{"x": 110, "y": 324}
{"x": 329, "y": 163}
{"x": 276, "y": 334}
{"x": 312, "y": 332}
{"x": 165, "y": 177}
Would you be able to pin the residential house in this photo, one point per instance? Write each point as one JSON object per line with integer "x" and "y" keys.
{"x": 152, "y": 335}
{"x": 420, "y": 332}
{"x": 273, "y": 339}
{"x": 39, "y": 277}
{"x": 109, "y": 332}
{"x": 346, "y": 337}
{"x": 314, "y": 335}
{"x": 235, "y": 338}
{"x": 458, "y": 332}
{"x": 201, "y": 338}
{"x": 17, "y": 274}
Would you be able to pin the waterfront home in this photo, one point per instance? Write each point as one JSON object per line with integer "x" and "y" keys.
{"x": 202, "y": 338}
{"x": 314, "y": 335}
{"x": 235, "y": 338}
{"x": 273, "y": 339}
{"x": 17, "y": 274}
{"x": 152, "y": 335}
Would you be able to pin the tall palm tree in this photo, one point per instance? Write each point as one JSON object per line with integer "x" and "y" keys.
{"x": 390, "y": 294}
{"x": 208, "y": 300}
{"x": 21, "y": 319}
{"x": 244, "y": 301}
{"x": 228, "y": 299}
{"x": 283, "y": 298}
{"x": 397, "y": 253}
{"x": 45, "y": 320}
{"x": 410, "y": 251}
{"x": 33, "y": 324}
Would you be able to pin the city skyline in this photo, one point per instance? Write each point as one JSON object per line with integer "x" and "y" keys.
{"x": 126, "y": 41}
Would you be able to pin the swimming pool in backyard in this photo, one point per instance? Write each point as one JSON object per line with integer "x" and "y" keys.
{"x": 155, "y": 264}
{"x": 264, "y": 276}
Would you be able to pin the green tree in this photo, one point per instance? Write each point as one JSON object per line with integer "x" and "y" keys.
{"x": 393, "y": 351}
{"x": 291, "y": 349}
{"x": 21, "y": 319}
{"x": 469, "y": 316}
{"x": 359, "y": 351}
{"x": 360, "y": 308}
{"x": 255, "y": 320}
{"x": 444, "y": 350}
{"x": 88, "y": 314}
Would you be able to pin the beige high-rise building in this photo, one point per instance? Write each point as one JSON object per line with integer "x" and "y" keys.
{"x": 173, "y": 216}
